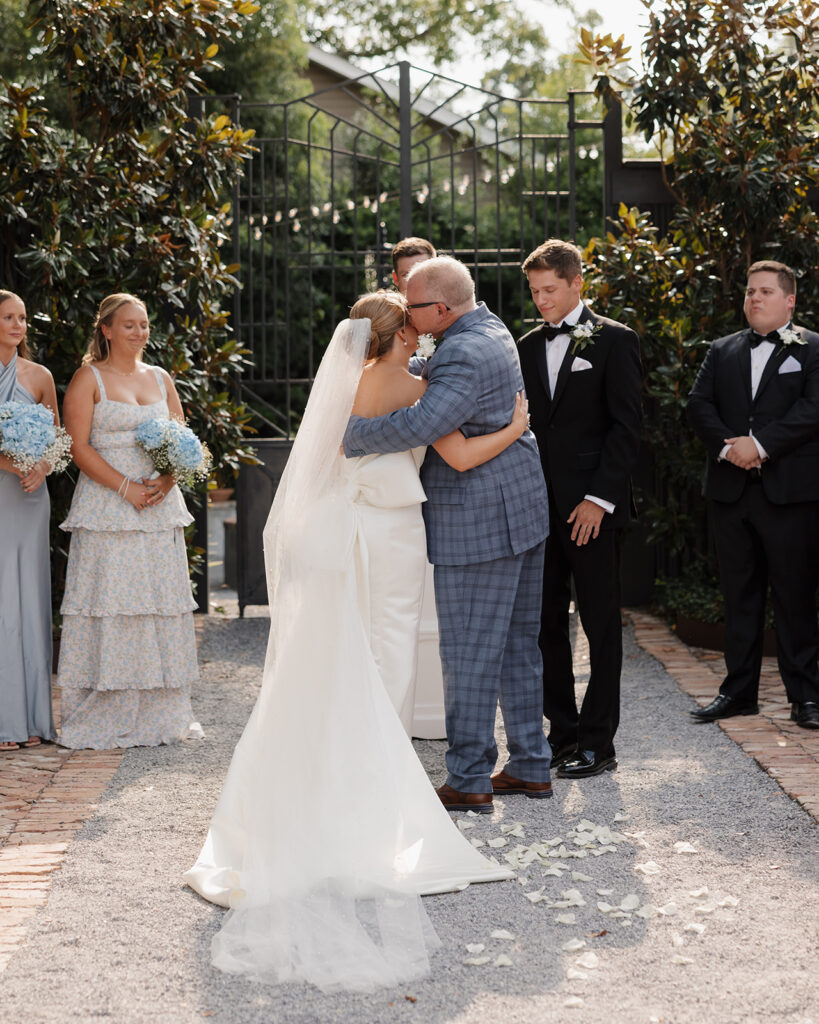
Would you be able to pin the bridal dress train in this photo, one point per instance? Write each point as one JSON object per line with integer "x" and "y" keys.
{"x": 327, "y": 830}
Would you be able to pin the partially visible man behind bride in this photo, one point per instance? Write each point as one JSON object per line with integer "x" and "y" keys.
{"x": 486, "y": 530}
{"x": 327, "y": 829}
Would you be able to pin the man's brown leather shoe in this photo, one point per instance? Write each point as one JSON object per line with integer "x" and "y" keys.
{"x": 503, "y": 783}
{"x": 454, "y": 800}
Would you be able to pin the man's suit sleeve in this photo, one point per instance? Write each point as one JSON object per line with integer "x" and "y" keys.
{"x": 623, "y": 388}
{"x": 701, "y": 409}
{"x": 801, "y": 422}
{"x": 449, "y": 401}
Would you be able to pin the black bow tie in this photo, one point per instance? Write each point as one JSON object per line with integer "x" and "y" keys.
{"x": 552, "y": 332}
{"x": 756, "y": 339}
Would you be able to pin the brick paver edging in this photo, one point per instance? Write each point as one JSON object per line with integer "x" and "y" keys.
{"x": 46, "y": 793}
{"x": 788, "y": 753}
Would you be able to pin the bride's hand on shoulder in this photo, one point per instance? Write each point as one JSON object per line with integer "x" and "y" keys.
{"x": 520, "y": 417}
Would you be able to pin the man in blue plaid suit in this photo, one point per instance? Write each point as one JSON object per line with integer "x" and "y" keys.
{"x": 486, "y": 530}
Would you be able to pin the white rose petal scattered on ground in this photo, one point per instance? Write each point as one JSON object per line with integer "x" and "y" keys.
{"x": 573, "y": 1002}
{"x": 605, "y": 892}
{"x": 697, "y": 893}
{"x": 685, "y": 848}
{"x": 631, "y": 902}
{"x": 514, "y": 829}
{"x": 647, "y": 911}
{"x": 728, "y": 901}
{"x": 502, "y": 961}
{"x": 497, "y": 842}
{"x": 502, "y": 933}
{"x": 694, "y": 926}
{"x": 477, "y": 843}
{"x": 621, "y": 816}
{"x": 536, "y": 896}
{"x": 649, "y": 868}
{"x": 552, "y": 871}
{"x": 475, "y": 947}
{"x": 677, "y": 940}
{"x": 625, "y": 924}
{"x": 572, "y": 974}
{"x": 573, "y": 945}
{"x": 564, "y": 918}
{"x": 668, "y": 910}
{"x": 464, "y": 825}
{"x": 590, "y": 961}
{"x": 706, "y": 908}
{"x": 638, "y": 837}
{"x": 605, "y": 908}
{"x": 472, "y": 814}
{"x": 679, "y": 959}
{"x": 578, "y": 876}
{"x": 477, "y": 961}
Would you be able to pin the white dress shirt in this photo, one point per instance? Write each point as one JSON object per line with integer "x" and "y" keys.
{"x": 555, "y": 354}
{"x": 759, "y": 358}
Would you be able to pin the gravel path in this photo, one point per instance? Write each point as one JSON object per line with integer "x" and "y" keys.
{"x": 122, "y": 939}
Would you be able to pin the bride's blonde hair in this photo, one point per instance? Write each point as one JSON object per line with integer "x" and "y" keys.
{"x": 387, "y": 313}
{"x": 98, "y": 348}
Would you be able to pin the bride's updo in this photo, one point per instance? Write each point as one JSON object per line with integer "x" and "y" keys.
{"x": 387, "y": 313}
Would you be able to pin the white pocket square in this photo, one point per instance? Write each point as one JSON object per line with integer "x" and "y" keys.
{"x": 790, "y": 365}
{"x": 580, "y": 364}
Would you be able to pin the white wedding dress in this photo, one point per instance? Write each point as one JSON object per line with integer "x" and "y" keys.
{"x": 327, "y": 830}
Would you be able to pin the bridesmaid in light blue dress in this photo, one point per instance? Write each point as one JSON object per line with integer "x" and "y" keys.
{"x": 25, "y": 573}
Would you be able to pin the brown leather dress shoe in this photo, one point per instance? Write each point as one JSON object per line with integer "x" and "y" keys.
{"x": 507, "y": 784}
{"x": 454, "y": 800}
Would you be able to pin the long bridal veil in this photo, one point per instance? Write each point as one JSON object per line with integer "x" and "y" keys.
{"x": 327, "y": 829}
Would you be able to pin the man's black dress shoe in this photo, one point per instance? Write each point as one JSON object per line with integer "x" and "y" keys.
{"x": 561, "y": 755}
{"x": 805, "y": 714}
{"x": 724, "y": 707}
{"x": 585, "y": 763}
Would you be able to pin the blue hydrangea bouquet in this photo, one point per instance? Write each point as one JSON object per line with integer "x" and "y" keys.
{"x": 174, "y": 448}
{"x": 28, "y": 434}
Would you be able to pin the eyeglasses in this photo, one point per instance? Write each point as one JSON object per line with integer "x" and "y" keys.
{"x": 423, "y": 305}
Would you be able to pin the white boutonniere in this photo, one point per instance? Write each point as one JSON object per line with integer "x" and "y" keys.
{"x": 582, "y": 335}
{"x": 426, "y": 346}
{"x": 790, "y": 336}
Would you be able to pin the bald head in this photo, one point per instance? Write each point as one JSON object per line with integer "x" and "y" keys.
{"x": 445, "y": 280}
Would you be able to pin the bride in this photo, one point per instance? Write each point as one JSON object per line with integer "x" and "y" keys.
{"x": 327, "y": 830}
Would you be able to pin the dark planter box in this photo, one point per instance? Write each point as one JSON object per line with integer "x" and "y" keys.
{"x": 711, "y": 635}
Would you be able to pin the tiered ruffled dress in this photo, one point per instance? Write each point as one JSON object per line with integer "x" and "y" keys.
{"x": 128, "y": 651}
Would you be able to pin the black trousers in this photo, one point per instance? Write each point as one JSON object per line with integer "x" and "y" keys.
{"x": 758, "y": 543}
{"x": 596, "y": 571}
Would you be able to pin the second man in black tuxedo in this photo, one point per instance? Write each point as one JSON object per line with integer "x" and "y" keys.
{"x": 755, "y": 405}
{"x": 583, "y": 381}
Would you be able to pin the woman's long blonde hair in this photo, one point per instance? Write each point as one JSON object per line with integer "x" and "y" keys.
{"x": 387, "y": 313}
{"x": 22, "y": 346}
{"x": 98, "y": 348}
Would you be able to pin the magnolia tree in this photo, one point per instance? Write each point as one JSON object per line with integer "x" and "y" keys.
{"x": 111, "y": 184}
{"x": 728, "y": 92}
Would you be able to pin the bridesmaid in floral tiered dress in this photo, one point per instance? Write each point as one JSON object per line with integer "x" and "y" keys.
{"x": 128, "y": 653}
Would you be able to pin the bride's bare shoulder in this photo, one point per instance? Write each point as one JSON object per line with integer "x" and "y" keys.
{"x": 383, "y": 389}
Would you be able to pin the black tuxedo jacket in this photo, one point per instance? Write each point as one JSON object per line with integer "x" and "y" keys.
{"x": 589, "y": 433}
{"x": 784, "y": 417}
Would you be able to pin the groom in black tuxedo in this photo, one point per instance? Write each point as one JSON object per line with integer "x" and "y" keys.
{"x": 755, "y": 405}
{"x": 583, "y": 381}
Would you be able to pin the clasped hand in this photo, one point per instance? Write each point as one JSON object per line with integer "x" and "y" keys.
{"x": 33, "y": 479}
{"x": 743, "y": 452}
{"x": 157, "y": 488}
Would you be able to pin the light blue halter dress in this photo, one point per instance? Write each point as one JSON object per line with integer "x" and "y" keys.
{"x": 25, "y": 597}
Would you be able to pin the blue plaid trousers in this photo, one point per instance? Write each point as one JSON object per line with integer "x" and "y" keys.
{"x": 489, "y": 621}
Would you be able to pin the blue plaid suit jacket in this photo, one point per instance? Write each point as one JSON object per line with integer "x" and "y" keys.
{"x": 494, "y": 510}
